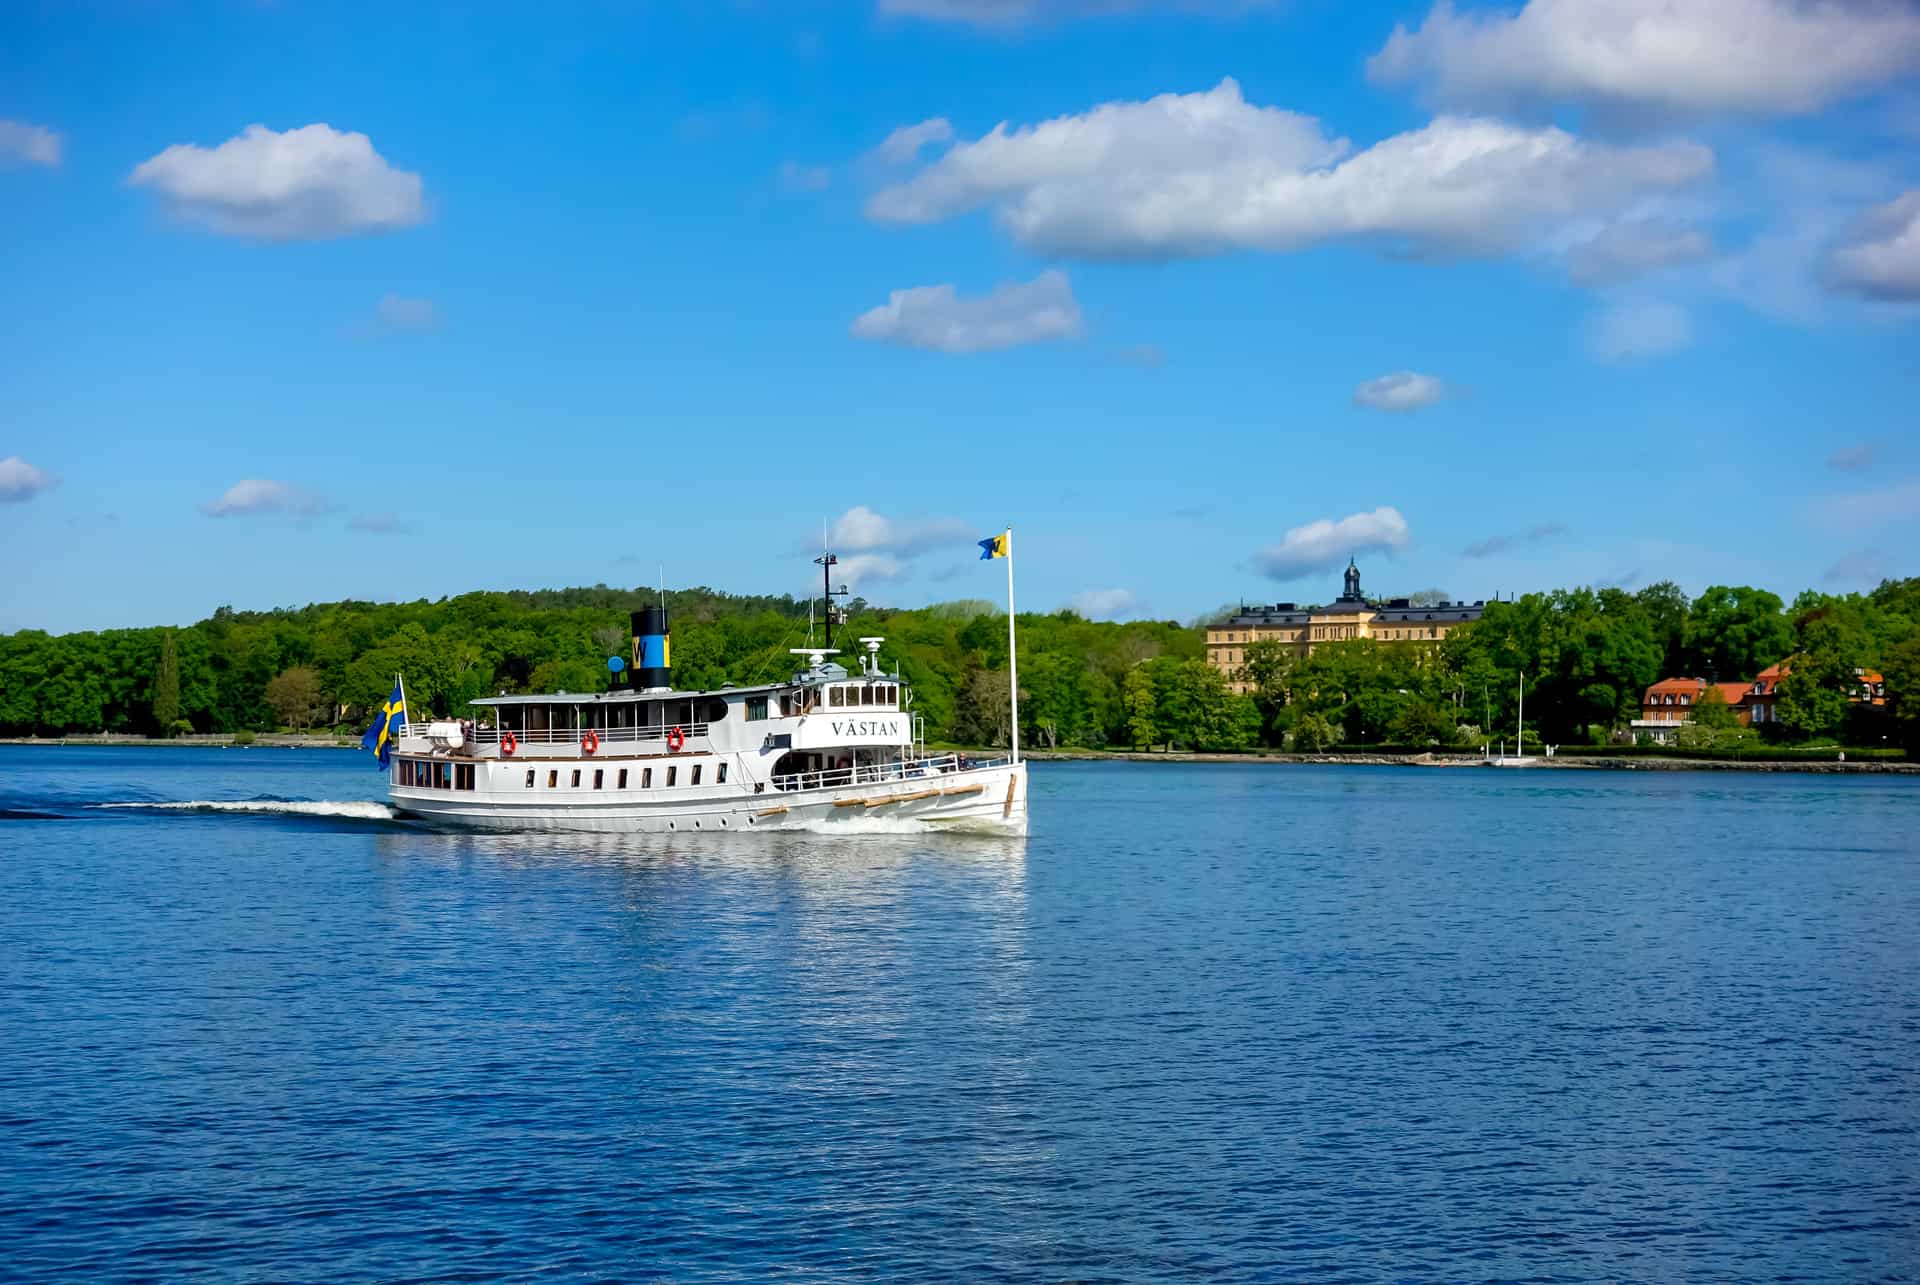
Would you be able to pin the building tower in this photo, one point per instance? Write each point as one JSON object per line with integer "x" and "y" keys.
{"x": 1353, "y": 582}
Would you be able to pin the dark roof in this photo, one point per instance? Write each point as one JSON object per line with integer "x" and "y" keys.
{"x": 1285, "y": 613}
{"x": 1454, "y": 611}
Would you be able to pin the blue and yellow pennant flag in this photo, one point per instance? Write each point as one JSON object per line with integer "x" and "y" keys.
{"x": 386, "y": 725}
{"x": 995, "y": 546}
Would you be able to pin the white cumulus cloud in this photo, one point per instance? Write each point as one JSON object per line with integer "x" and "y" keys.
{"x": 1762, "y": 57}
{"x": 260, "y": 495}
{"x": 861, "y": 530}
{"x": 1204, "y": 173}
{"x": 1403, "y": 390}
{"x": 938, "y": 318}
{"x": 1318, "y": 546}
{"x": 306, "y": 184}
{"x": 24, "y": 144}
{"x": 1881, "y": 257}
{"x": 20, "y": 481}
{"x": 1104, "y": 604}
{"x": 902, "y": 147}
{"x": 1630, "y": 331}
{"x": 865, "y": 568}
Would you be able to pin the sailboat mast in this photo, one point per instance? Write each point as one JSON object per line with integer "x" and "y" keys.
{"x": 1520, "y": 720}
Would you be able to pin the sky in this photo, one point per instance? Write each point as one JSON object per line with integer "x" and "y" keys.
{"x": 306, "y": 301}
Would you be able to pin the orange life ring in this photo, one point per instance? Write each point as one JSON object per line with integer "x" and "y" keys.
{"x": 508, "y": 744}
{"x": 591, "y": 741}
{"x": 676, "y": 741}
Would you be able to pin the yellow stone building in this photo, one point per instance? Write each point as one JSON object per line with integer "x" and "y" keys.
{"x": 1351, "y": 615}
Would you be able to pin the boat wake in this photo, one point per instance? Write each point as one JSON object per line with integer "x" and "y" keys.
{"x": 865, "y": 825}
{"x": 348, "y": 810}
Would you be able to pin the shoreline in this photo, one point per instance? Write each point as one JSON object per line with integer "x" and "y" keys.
{"x": 1587, "y": 763}
{"x": 1582, "y": 763}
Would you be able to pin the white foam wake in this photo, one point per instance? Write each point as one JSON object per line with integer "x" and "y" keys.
{"x": 348, "y": 809}
{"x": 865, "y": 825}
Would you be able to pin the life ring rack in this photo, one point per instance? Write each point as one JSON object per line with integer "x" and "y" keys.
{"x": 676, "y": 740}
{"x": 509, "y": 743}
{"x": 590, "y": 742}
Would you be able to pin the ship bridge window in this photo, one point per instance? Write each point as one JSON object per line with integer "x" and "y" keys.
{"x": 756, "y": 709}
{"x": 836, "y": 696}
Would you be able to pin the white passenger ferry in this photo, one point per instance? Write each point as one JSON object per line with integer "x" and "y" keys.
{"x": 827, "y": 745}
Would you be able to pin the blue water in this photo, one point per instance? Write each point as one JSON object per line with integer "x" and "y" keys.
{"x": 1207, "y": 1022}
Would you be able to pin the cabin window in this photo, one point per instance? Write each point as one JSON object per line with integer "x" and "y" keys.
{"x": 553, "y": 779}
{"x": 599, "y": 777}
{"x": 673, "y": 774}
{"x": 756, "y": 708}
{"x": 646, "y": 778}
{"x": 576, "y": 778}
{"x": 529, "y": 778}
{"x": 720, "y": 777}
{"x": 696, "y": 775}
{"x": 837, "y": 696}
{"x": 463, "y": 776}
{"x": 623, "y": 779}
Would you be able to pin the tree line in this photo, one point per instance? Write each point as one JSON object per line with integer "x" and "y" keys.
{"x": 1583, "y": 657}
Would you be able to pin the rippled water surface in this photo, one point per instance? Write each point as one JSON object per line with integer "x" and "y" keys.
{"x": 1235, "y": 1022}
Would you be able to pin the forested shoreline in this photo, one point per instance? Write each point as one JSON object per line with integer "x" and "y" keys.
{"x": 1583, "y": 655}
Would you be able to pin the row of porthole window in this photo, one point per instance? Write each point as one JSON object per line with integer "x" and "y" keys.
{"x": 620, "y": 778}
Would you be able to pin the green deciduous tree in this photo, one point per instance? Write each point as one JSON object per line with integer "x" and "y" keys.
{"x": 1734, "y": 632}
{"x": 294, "y": 695}
{"x": 166, "y": 686}
{"x": 1711, "y": 711}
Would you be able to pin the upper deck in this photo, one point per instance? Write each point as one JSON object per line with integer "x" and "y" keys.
{"x": 824, "y": 706}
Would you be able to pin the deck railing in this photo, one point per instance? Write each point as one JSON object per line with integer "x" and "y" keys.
{"x": 571, "y": 737}
{"x": 869, "y": 773}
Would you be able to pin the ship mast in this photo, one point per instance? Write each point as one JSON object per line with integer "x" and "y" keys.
{"x": 827, "y": 562}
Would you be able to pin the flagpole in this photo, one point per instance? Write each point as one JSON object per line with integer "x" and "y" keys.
{"x": 1013, "y": 651}
{"x": 400, "y": 681}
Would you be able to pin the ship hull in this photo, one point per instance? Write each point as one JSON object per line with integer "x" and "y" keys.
{"x": 990, "y": 799}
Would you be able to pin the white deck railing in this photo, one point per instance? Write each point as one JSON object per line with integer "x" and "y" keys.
{"x": 480, "y": 738}
{"x": 868, "y": 773}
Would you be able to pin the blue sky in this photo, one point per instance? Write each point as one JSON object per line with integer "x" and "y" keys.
{"x": 1201, "y": 297}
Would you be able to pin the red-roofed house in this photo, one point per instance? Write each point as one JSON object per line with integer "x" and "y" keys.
{"x": 1763, "y": 693}
{"x": 1668, "y": 705}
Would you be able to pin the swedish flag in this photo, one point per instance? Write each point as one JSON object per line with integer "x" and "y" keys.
{"x": 386, "y": 725}
{"x": 996, "y": 546}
